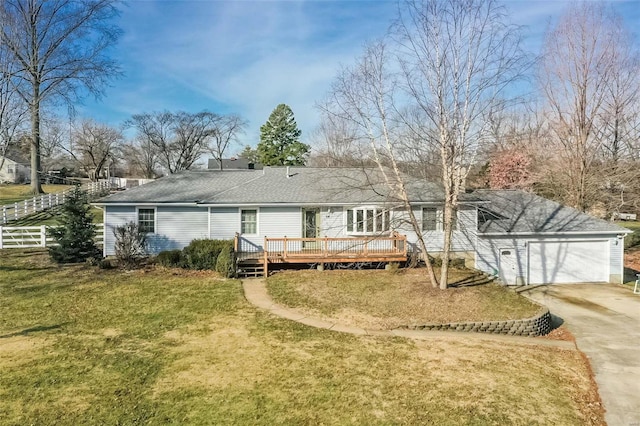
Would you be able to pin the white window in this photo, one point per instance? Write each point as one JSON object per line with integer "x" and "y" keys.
{"x": 367, "y": 220}
{"x": 432, "y": 219}
{"x": 10, "y": 169}
{"x": 249, "y": 221}
{"x": 147, "y": 220}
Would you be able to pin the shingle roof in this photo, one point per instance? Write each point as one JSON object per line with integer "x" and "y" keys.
{"x": 303, "y": 185}
{"x": 519, "y": 212}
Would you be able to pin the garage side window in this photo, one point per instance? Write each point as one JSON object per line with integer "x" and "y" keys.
{"x": 249, "y": 222}
{"x": 147, "y": 220}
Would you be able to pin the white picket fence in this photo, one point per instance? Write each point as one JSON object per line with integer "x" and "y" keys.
{"x": 42, "y": 202}
{"x": 35, "y": 236}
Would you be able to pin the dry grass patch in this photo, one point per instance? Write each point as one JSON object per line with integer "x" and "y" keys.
{"x": 81, "y": 346}
{"x": 386, "y": 300}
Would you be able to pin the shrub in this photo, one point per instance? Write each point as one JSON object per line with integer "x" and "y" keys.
{"x": 170, "y": 259}
{"x": 632, "y": 240}
{"x": 203, "y": 254}
{"x": 226, "y": 264}
{"x": 130, "y": 245}
{"x": 76, "y": 233}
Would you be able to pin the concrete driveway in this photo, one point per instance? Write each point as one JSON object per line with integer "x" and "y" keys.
{"x": 605, "y": 319}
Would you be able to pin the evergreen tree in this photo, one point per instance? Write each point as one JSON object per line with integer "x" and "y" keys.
{"x": 249, "y": 154}
{"x": 76, "y": 231}
{"x": 279, "y": 144}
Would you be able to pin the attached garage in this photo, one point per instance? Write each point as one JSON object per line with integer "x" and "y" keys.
{"x": 527, "y": 239}
{"x": 568, "y": 261}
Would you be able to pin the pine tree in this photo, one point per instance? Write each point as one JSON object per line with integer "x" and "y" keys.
{"x": 76, "y": 231}
{"x": 279, "y": 140}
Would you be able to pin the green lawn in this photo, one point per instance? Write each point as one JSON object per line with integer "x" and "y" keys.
{"x": 79, "y": 345}
{"x": 386, "y": 300}
{"x": 10, "y": 194}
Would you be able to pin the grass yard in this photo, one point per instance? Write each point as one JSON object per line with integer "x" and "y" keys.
{"x": 386, "y": 300}
{"x": 49, "y": 217}
{"x": 79, "y": 345}
{"x": 10, "y": 194}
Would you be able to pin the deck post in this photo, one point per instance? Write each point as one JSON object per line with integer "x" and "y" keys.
{"x": 366, "y": 248}
{"x": 15, "y": 211}
{"x": 43, "y": 235}
{"x": 284, "y": 248}
{"x": 325, "y": 248}
{"x": 265, "y": 251}
{"x": 236, "y": 243}
{"x": 4, "y": 215}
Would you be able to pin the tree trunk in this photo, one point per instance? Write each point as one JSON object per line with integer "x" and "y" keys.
{"x": 36, "y": 188}
{"x": 447, "y": 216}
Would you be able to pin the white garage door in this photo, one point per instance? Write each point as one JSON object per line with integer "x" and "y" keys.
{"x": 568, "y": 262}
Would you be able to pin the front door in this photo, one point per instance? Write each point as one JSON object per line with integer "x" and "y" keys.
{"x": 310, "y": 226}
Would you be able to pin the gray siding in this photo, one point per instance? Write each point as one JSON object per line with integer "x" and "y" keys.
{"x": 332, "y": 222}
{"x": 275, "y": 222}
{"x": 488, "y": 256}
{"x": 463, "y": 238}
{"x": 116, "y": 216}
{"x": 225, "y": 222}
{"x": 177, "y": 226}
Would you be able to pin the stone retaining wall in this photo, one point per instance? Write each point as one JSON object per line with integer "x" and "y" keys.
{"x": 538, "y": 325}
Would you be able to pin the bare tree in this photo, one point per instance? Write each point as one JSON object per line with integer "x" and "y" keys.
{"x": 141, "y": 158}
{"x": 12, "y": 109}
{"x": 226, "y": 130}
{"x": 59, "y": 49}
{"x": 586, "y": 75}
{"x": 94, "y": 146}
{"x": 179, "y": 138}
{"x": 446, "y": 68}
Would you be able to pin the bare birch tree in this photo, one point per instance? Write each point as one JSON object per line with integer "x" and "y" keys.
{"x": 445, "y": 67}
{"x": 59, "y": 50}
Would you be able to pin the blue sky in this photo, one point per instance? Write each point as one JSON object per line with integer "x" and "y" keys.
{"x": 246, "y": 57}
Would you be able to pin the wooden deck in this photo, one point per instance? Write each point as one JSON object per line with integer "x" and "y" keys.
{"x": 324, "y": 250}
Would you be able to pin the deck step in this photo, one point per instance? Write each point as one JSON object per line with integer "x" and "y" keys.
{"x": 250, "y": 269}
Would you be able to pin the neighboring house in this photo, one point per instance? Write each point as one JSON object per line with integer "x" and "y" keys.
{"x": 15, "y": 168}
{"x": 318, "y": 215}
{"x": 233, "y": 163}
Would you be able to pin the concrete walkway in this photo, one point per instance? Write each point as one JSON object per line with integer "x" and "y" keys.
{"x": 255, "y": 291}
{"x": 605, "y": 320}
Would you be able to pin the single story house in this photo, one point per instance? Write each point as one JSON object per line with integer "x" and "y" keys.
{"x": 319, "y": 215}
{"x": 15, "y": 168}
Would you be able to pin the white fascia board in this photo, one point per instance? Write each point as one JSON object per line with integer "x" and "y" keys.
{"x": 145, "y": 204}
{"x": 547, "y": 234}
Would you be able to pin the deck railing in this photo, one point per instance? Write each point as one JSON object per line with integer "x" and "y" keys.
{"x": 303, "y": 250}
{"x": 335, "y": 248}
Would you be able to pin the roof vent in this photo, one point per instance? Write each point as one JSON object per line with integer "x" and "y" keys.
{"x": 288, "y": 172}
